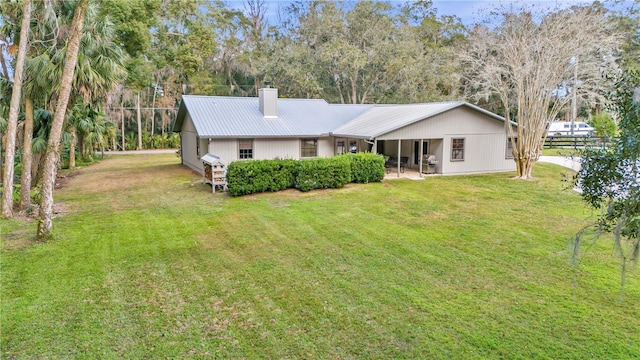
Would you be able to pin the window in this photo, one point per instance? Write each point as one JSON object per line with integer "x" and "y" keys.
{"x": 457, "y": 149}
{"x": 308, "y": 148}
{"x": 353, "y": 146}
{"x": 341, "y": 147}
{"x": 509, "y": 151}
{"x": 245, "y": 149}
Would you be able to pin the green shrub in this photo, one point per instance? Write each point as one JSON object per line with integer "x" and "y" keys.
{"x": 254, "y": 176}
{"x": 604, "y": 125}
{"x": 366, "y": 167}
{"x": 323, "y": 173}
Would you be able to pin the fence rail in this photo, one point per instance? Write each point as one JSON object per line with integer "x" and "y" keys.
{"x": 576, "y": 142}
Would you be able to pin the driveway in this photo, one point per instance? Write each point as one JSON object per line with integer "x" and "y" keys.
{"x": 572, "y": 163}
{"x": 141, "y": 152}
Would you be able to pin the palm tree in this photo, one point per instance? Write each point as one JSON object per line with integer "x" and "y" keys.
{"x": 12, "y": 123}
{"x": 27, "y": 156}
{"x": 45, "y": 215}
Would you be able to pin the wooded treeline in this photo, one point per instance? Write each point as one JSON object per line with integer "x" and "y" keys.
{"x": 135, "y": 59}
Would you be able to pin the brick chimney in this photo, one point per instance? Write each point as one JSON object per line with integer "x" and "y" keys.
{"x": 268, "y": 100}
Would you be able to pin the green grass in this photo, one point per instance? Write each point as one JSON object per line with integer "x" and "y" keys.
{"x": 147, "y": 263}
{"x": 555, "y": 151}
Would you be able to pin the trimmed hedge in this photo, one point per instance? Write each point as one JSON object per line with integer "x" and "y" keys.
{"x": 255, "y": 176}
{"x": 323, "y": 173}
{"x": 366, "y": 167}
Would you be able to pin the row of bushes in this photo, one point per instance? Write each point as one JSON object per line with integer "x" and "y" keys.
{"x": 255, "y": 176}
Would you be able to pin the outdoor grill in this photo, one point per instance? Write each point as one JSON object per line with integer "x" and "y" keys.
{"x": 429, "y": 163}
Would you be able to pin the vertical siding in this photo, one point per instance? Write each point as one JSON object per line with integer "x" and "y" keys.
{"x": 326, "y": 147}
{"x": 485, "y": 141}
{"x": 482, "y": 153}
{"x": 225, "y": 149}
{"x": 265, "y": 149}
{"x": 189, "y": 146}
{"x": 461, "y": 120}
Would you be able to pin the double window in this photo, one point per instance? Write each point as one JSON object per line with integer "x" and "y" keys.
{"x": 245, "y": 149}
{"x": 308, "y": 148}
{"x": 457, "y": 149}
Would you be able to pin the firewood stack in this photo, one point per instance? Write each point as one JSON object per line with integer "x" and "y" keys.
{"x": 215, "y": 171}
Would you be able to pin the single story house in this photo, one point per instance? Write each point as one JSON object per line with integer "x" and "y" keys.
{"x": 463, "y": 138}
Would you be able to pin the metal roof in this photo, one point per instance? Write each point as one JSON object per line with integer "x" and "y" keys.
{"x": 386, "y": 118}
{"x": 237, "y": 117}
{"x": 212, "y": 159}
{"x": 219, "y": 116}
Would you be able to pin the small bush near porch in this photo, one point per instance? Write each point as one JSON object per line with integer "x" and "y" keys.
{"x": 147, "y": 263}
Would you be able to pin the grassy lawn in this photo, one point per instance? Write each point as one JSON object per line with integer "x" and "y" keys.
{"x": 148, "y": 263}
{"x": 556, "y": 151}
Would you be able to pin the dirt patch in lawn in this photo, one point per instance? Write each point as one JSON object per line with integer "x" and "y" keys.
{"x": 62, "y": 179}
{"x": 18, "y": 239}
{"x": 123, "y": 172}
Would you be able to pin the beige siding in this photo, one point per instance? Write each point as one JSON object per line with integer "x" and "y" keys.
{"x": 485, "y": 141}
{"x": 482, "y": 153}
{"x": 326, "y": 147}
{"x": 460, "y": 120}
{"x": 225, "y": 149}
{"x": 189, "y": 145}
{"x": 265, "y": 149}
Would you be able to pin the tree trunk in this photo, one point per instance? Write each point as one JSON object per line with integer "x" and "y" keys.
{"x": 27, "y": 156}
{"x": 122, "y": 130}
{"x": 36, "y": 169}
{"x": 524, "y": 167}
{"x": 138, "y": 118}
{"x": 5, "y": 71}
{"x": 153, "y": 109}
{"x": 72, "y": 149}
{"x": 12, "y": 124}
{"x": 79, "y": 139}
{"x": 45, "y": 216}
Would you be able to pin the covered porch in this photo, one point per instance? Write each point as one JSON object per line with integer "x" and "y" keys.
{"x": 413, "y": 157}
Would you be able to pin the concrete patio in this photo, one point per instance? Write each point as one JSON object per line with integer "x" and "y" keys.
{"x": 411, "y": 174}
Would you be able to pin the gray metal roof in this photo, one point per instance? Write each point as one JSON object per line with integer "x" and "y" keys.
{"x": 236, "y": 117}
{"x": 386, "y": 118}
{"x": 219, "y": 116}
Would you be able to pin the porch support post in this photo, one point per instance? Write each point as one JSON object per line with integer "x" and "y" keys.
{"x": 420, "y": 157}
{"x": 398, "y": 157}
{"x": 374, "y": 149}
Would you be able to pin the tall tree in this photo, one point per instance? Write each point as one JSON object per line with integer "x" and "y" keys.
{"x": 532, "y": 61}
{"x": 134, "y": 21}
{"x": 362, "y": 52}
{"x": 628, "y": 21}
{"x": 12, "y": 125}
{"x": 45, "y": 214}
{"x": 610, "y": 178}
{"x": 27, "y": 156}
